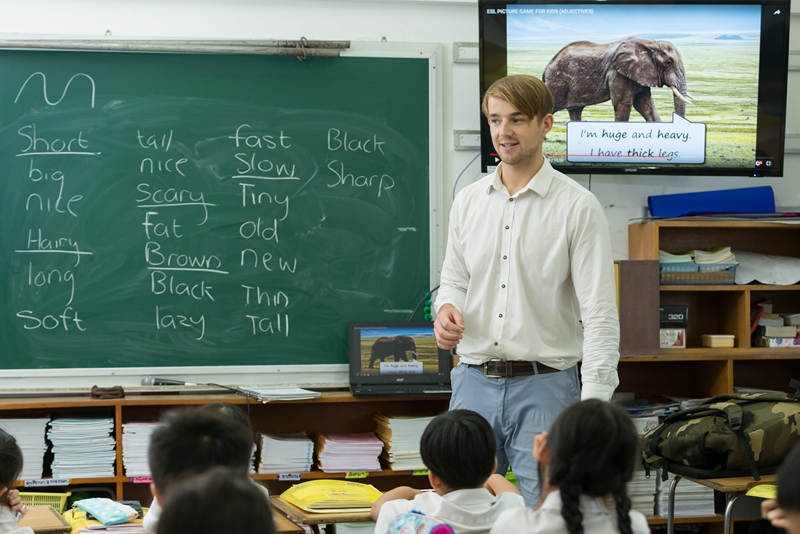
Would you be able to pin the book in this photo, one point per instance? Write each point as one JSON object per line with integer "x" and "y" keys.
{"x": 756, "y": 312}
{"x": 668, "y": 257}
{"x": 331, "y": 495}
{"x": 770, "y": 319}
{"x": 715, "y": 255}
{"x": 776, "y": 342}
{"x": 776, "y": 331}
{"x": 265, "y": 394}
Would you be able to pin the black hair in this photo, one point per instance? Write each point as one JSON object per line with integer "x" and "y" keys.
{"x": 232, "y": 411}
{"x": 192, "y": 441}
{"x": 459, "y": 447}
{"x": 593, "y": 446}
{"x": 244, "y": 508}
{"x": 10, "y": 462}
{"x": 789, "y": 481}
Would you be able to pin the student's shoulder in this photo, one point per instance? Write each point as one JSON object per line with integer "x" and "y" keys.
{"x": 639, "y": 523}
{"x": 519, "y": 519}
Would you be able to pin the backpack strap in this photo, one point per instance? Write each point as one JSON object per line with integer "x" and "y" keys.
{"x": 735, "y": 417}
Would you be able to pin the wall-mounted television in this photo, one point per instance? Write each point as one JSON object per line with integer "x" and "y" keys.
{"x": 667, "y": 87}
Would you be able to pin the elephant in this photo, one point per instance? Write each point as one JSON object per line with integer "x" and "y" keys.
{"x": 393, "y": 346}
{"x": 582, "y": 74}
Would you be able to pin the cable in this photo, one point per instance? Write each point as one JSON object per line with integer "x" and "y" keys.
{"x": 460, "y": 174}
{"x": 425, "y": 298}
{"x": 238, "y": 391}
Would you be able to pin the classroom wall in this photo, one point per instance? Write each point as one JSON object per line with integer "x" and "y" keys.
{"x": 438, "y": 21}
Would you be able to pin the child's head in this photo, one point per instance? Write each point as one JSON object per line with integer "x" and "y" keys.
{"x": 10, "y": 463}
{"x": 789, "y": 489}
{"x": 593, "y": 448}
{"x": 193, "y": 441}
{"x": 244, "y": 508}
{"x": 459, "y": 448}
{"x": 233, "y": 412}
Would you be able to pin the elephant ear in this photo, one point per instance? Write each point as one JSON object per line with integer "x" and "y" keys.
{"x": 633, "y": 59}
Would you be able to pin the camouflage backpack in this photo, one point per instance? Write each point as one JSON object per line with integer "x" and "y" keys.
{"x": 748, "y": 436}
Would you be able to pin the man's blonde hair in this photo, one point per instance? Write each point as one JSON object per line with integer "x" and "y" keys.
{"x": 526, "y": 93}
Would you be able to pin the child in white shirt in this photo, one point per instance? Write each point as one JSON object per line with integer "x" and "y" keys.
{"x": 10, "y": 468}
{"x": 458, "y": 448}
{"x": 587, "y": 456}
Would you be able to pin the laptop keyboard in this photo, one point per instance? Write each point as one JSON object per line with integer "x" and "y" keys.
{"x": 403, "y": 390}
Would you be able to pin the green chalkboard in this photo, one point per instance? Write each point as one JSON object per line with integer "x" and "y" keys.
{"x": 207, "y": 210}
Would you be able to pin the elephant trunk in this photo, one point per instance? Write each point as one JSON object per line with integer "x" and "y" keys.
{"x": 681, "y": 98}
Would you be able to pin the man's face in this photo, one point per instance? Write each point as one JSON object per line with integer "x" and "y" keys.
{"x": 517, "y": 138}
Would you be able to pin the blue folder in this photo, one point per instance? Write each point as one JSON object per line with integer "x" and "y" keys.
{"x": 746, "y": 200}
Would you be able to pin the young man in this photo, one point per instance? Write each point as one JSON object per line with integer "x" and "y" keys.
{"x": 527, "y": 286}
{"x": 458, "y": 449}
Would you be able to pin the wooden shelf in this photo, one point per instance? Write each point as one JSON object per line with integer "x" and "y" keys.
{"x": 729, "y": 287}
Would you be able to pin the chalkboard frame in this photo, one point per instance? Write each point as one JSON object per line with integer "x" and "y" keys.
{"x": 60, "y": 380}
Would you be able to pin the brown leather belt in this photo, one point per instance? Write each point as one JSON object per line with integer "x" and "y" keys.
{"x": 506, "y": 369}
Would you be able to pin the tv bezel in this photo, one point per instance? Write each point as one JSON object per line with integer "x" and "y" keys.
{"x": 772, "y": 92}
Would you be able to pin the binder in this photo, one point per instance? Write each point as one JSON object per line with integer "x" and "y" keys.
{"x": 746, "y": 200}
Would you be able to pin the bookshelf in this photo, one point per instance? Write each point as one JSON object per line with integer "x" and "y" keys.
{"x": 333, "y": 412}
{"x": 697, "y": 371}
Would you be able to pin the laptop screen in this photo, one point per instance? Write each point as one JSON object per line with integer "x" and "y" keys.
{"x": 397, "y": 353}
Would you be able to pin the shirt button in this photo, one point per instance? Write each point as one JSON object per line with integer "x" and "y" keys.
{"x": 505, "y": 257}
{"x": 495, "y": 343}
{"x": 503, "y": 286}
{"x": 506, "y": 227}
{"x": 501, "y": 315}
{"x": 511, "y": 200}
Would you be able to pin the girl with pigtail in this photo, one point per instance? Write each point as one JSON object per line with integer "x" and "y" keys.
{"x": 586, "y": 458}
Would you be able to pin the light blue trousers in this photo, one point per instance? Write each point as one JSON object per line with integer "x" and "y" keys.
{"x": 518, "y": 409}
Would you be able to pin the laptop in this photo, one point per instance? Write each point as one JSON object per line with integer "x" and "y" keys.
{"x": 397, "y": 358}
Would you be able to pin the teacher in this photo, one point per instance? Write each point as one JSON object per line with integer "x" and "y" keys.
{"x": 527, "y": 286}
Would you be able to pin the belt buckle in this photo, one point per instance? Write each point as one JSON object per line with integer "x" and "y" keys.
{"x": 488, "y": 374}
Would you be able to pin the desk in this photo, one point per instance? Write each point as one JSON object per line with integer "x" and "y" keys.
{"x": 44, "y": 520}
{"x": 314, "y": 520}
{"x": 732, "y": 487}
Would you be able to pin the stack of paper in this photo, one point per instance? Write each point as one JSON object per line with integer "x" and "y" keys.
{"x": 135, "y": 442}
{"x": 400, "y": 436}
{"x": 29, "y": 434}
{"x": 339, "y": 453}
{"x": 331, "y": 496}
{"x": 642, "y": 491}
{"x": 715, "y": 255}
{"x": 287, "y": 453}
{"x": 668, "y": 257}
{"x": 82, "y": 448}
{"x": 691, "y": 499}
{"x": 264, "y": 394}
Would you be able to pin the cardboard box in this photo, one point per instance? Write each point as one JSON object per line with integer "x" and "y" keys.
{"x": 674, "y": 316}
{"x": 673, "y": 338}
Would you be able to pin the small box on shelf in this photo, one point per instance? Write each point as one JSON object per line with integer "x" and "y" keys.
{"x": 673, "y": 338}
{"x": 719, "y": 340}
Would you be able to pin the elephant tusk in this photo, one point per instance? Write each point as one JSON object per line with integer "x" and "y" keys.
{"x": 679, "y": 95}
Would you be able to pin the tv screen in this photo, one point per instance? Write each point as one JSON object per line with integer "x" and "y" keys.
{"x": 648, "y": 86}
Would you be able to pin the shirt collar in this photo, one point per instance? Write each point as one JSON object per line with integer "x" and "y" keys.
{"x": 539, "y": 184}
{"x": 470, "y": 495}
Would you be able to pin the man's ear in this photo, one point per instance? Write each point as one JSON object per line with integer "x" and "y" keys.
{"x": 156, "y": 494}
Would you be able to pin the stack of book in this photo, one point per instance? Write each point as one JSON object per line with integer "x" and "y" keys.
{"x": 285, "y": 453}
{"x": 773, "y": 330}
{"x": 642, "y": 490}
{"x": 691, "y": 499}
{"x": 340, "y": 453}
{"x": 135, "y": 442}
{"x": 82, "y": 448}
{"x": 668, "y": 257}
{"x": 400, "y": 436}
{"x": 29, "y": 434}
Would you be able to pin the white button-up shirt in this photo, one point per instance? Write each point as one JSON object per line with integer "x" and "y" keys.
{"x": 467, "y": 511}
{"x": 524, "y": 271}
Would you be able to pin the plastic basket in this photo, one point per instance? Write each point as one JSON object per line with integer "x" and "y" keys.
{"x": 694, "y": 274}
{"x": 56, "y": 500}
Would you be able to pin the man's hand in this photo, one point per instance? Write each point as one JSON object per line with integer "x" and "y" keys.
{"x": 448, "y": 327}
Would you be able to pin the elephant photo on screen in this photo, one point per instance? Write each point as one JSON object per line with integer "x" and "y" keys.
{"x": 583, "y": 74}
{"x": 393, "y": 346}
